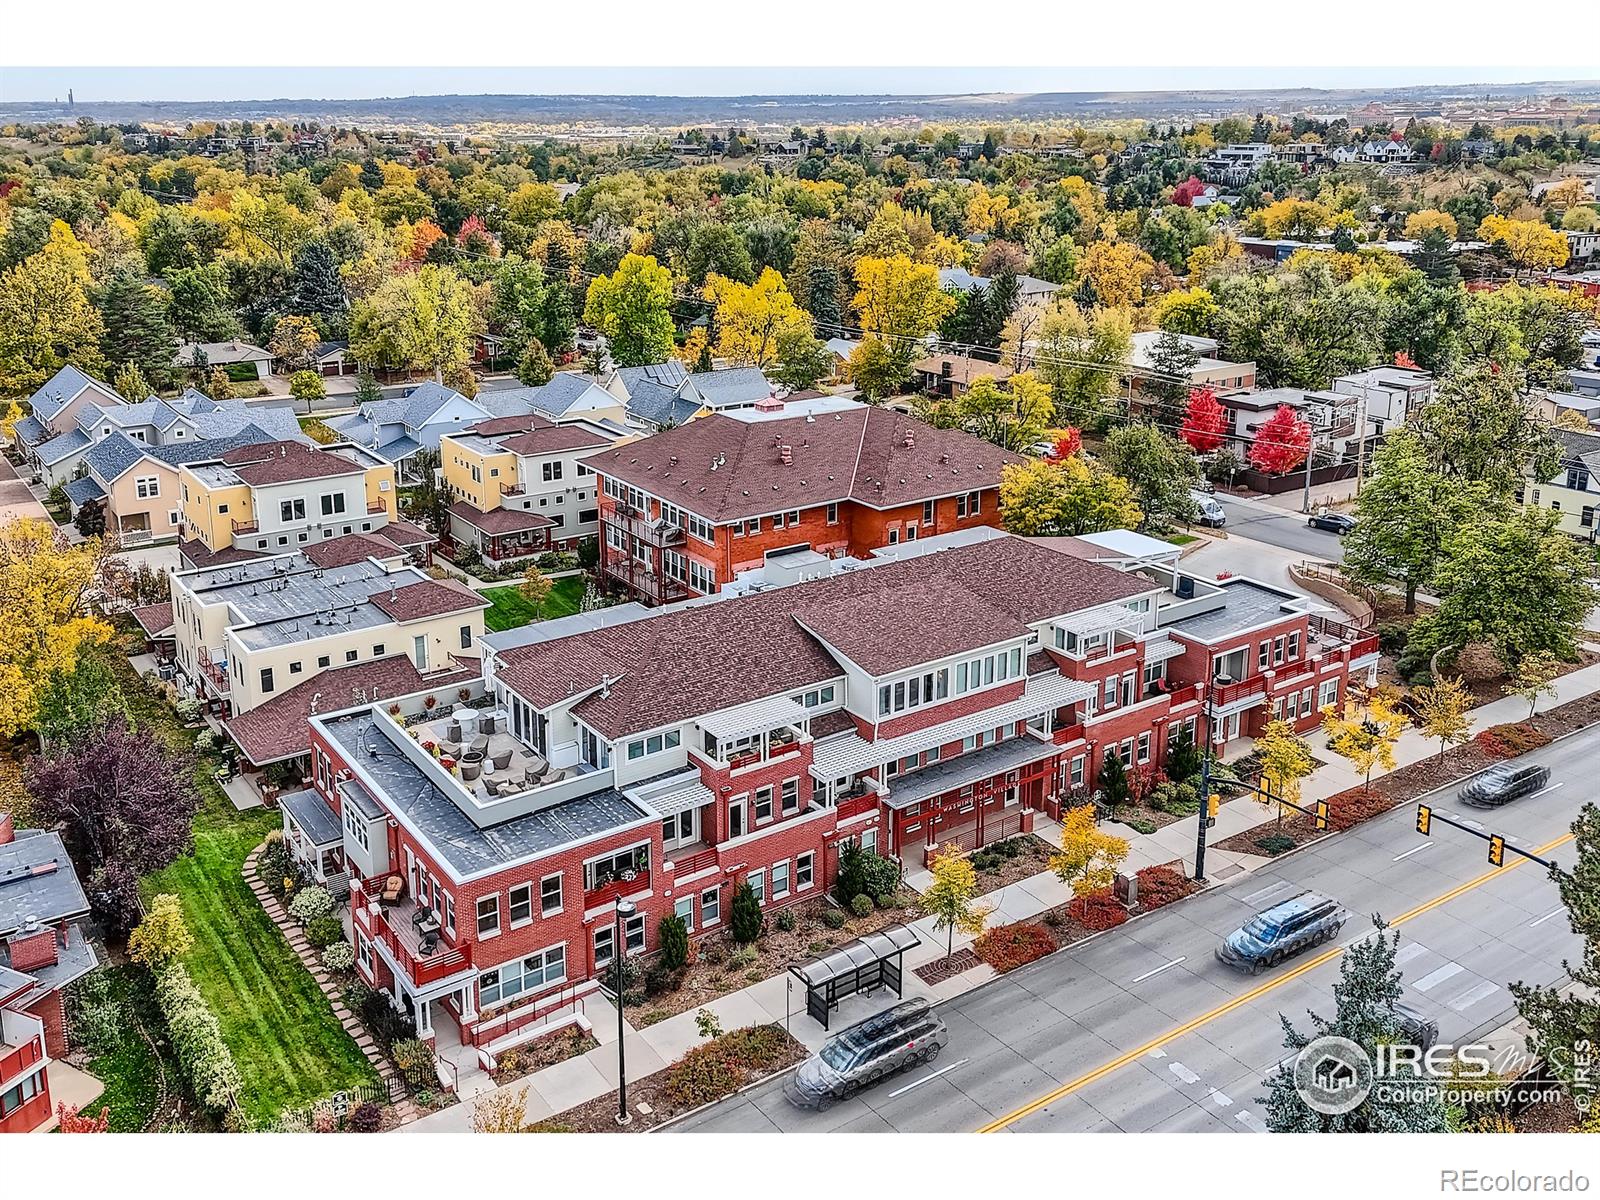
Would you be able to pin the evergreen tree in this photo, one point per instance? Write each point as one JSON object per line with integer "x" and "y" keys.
{"x": 823, "y": 296}
{"x": 1363, "y": 1001}
{"x": 745, "y": 915}
{"x": 1172, "y": 359}
{"x": 673, "y": 935}
{"x": 367, "y": 389}
{"x": 317, "y": 289}
{"x": 558, "y": 319}
{"x": 1183, "y": 759}
{"x": 1113, "y": 782}
{"x": 137, "y": 329}
{"x": 535, "y": 369}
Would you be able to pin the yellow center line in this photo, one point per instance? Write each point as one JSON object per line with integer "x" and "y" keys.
{"x": 1277, "y": 981}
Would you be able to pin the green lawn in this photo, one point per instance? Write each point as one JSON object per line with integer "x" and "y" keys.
{"x": 131, "y": 1071}
{"x": 511, "y": 610}
{"x": 1181, "y": 539}
{"x": 290, "y": 1049}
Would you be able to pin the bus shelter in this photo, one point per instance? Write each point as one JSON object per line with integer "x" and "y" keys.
{"x": 859, "y": 966}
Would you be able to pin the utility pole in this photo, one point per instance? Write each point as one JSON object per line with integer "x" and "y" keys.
{"x": 1361, "y": 436}
{"x": 1305, "y": 499}
{"x": 1206, "y": 713}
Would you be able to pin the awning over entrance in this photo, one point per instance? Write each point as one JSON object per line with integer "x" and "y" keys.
{"x": 862, "y": 965}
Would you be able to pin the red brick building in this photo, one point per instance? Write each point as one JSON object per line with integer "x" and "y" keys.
{"x": 685, "y": 511}
{"x": 42, "y": 949}
{"x": 668, "y": 758}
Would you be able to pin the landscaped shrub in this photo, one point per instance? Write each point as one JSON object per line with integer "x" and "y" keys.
{"x": 1139, "y": 825}
{"x": 339, "y": 957}
{"x": 1508, "y": 741}
{"x": 832, "y": 918}
{"x": 414, "y": 1057}
{"x": 1176, "y": 799}
{"x": 861, "y": 906}
{"x": 387, "y": 1024}
{"x": 861, "y": 872}
{"x": 745, "y": 916}
{"x": 197, "y": 1041}
{"x": 660, "y": 978}
{"x": 1162, "y": 885}
{"x": 1098, "y": 910}
{"x": 310, "y": 903}
{"x": 713, "y": 952}
{"x": 785, "y": 921}
{"x": 1007, "y": 947}
{"x": 324, "y": 931}
{"x": 744, "y": 956}
{"x": 674, "y": 937}
{"x": 881, "y": 878}
{"x": 188, "y": 711}
{"x": 1275, "y": 843}
{"x": 96, "y": 1020}
{"x": 1350, "y": 808}
{"x": 366, "y": 1117}
{"x": 711, "y": 1071}
{"x": 1392, "y": 636}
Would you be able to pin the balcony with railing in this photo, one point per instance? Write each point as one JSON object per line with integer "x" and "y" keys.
{"x": 216, "y": 674}
{"x": 1224, "y": 694}
{"x": 691, "y": 859}
{"x": 1329, "y": 635}
{"x": 654, "y": 531}
{"x": 377, "y": 506}
{"x": 21, "y": 1046}
{"x": 412, "y": 936}
{"x": 629, "y": 883}
{"x": 249, "y": 526}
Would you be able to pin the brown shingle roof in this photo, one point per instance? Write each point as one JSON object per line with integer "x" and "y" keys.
{"x": 155, "y": 619}
{"x": 353, "y": 547}
{"x": 553, "y": 440}
{"x": 963, "y": 370}
{"x": 692, "y": 661}
{"x": 725, "y": 469}
{"x": 404, "y": 534}
{"x": 198, "y": 554}
{"x": 499, "y": 520}
{"x": 286, "y": 462}
{"x": 427, "y": 598}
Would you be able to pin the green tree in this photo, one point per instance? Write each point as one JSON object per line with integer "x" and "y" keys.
{"x": 367, "y": 389}
{"x": 307, "y": 386}
{"x": 424, "y": 320}
{"x": 1172, "y": 362}
{"x": 1534, "y": 677}
{"x": 673, "y": 936}
{"x": 1072, "y": 496}
{"x": 46, "y": 320}
{"x": 803, "y": 361}
{"x": 951, "y": 898}
{"x": 131, "y": 384}
{"x": 317, "y": 287}
{"x": 535, "y": 369}
{"x": 877, "y": 370}
{"x": 1481, "y": 427}
{"x": 1183, "y": 758}
{"x": 78, "y": 699}
{"x": 1082, "y": 359}
{"x": 1112, "y": 782}
{"x": 745, "y": 915}
{"x": 198, "y": 304}
{"x": 1565, "y": 1018}
{"x": 1363, "y": 1008}
{"x": 1158, "y": 467}
{"x": 630, "y": 307}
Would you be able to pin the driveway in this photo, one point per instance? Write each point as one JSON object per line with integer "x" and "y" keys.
{"x": 15, "y": 498}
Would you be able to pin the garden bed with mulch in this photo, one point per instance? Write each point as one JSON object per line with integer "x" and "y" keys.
{"x": 1012, "y": 860}
{"x": 1140, "y": 818}
{"x": 719, "y": 965}
{"x": 1408, "y": 783}
{"x": 705, "y": 1074}
{"x": 544, "y": 1051}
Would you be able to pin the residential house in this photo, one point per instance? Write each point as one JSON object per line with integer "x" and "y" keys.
{"x": 332, "y": 359}
{"x": 685, "y": 511}
{"x": 224, "y": 355}
{"x": 671, "y": 759}
{"x": 1217, "y": 374}
{"x": 42, "y": 950}
{"x": 951, "y": 375}
{"x": 48, "y": 438}
{"x": 248, "y": 632}
{"x": 274, "y": 497}
{"x": 1573, "y": 491}
{"x": 1582, "y": 246}
{"x": 520, "y": 485}
{"x": 664, "y": 395}
{"x": 1031, "y": 290}
{"x": 1238, "y": 163}
{"x": 1386, "y": 395}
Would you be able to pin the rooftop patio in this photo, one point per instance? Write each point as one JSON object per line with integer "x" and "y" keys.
{"x": 488, "y": 759}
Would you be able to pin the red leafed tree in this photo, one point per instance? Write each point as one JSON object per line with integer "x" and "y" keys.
{"x": 1203, "y": 421}
{"x": 1184, "y": 194}
{"x": 1402, "y": 359}
{"x": 1282, "y": 443}
{"x": 472, "y": 227}
{"x": 72, "y": 1121}
{"x": 1068, "y": 444}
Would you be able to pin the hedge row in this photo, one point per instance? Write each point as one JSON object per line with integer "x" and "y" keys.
{"x": 197, "y": 1039}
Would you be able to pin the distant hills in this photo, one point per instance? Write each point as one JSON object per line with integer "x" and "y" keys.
{"x": 463, "y": 113}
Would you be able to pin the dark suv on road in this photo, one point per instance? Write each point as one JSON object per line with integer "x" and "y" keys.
{"x": 1284, "y": 929}
{"x": 910, "y": 1032}
{"x": 1504, "y": 782}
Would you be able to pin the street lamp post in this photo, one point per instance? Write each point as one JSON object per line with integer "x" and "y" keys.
{"x": 625, "y": 909}
{"x": 1206, "y": 714}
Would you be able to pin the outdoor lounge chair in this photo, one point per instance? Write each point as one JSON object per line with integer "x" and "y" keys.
{"x": 393, "y": 888}
{"x": 486, "y": 723}
{"x": 480, "y": 745}
{"x": 501, "y": 759}
{"x": 452, "y": 732}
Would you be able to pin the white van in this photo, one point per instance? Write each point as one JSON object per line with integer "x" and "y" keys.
{"x": 1210, "y": 512}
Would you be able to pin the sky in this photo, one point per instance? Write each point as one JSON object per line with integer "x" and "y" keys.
{"x": 346, "y": 83}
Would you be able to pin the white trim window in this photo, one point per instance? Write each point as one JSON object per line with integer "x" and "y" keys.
{"x": 147, "y": 487}
{"x": 519, "y": 905}
{"x": 804, "y": 870}
{"x": 758, "y": 884}
{"x": 780, "y": 880}
{"x": 509, "y": 980}
{"x": 710, "y": 907}
{"x": 683, "y": 909}
{"x": 1328, "y": 694}
{"x": 488, "y": 915}
{"x": 550, "y": 895}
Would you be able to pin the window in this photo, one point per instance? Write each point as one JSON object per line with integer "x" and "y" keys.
{"x": 758, "y": 884}
{"x": 377, "y": 650}
{"x": 266, "y": 679}
{"x": 350, "y": 655}
{"x": 1294, "y": 644}
{"x": 833, "y": 514}
{"x": 869, "y": 841}
{"x": 753, "y": 526}
{"x": 363, "y": 950}
{"x": 684, "y": 910}
{"x": 927, "y": 512}
{"x": 466, "y": 637}
{"x": 633, "y": 934}
{"x": 519, "y": 904}
{"x": 551, "y": 471}
{"x": 1328, "y": 693}
{"x": 763, "y": 804}
{"x": 292, "y": 510}
{"x": 1110, "y": 700}
{"x": 296, "y": 668}
{"x": 147, "y": 487}
{"x": 1144, "y": 747}
{"x": 525, "y": 975}
{"x": 605, "y": 945}
{"x": 654, "y": 744}
{"x": 780, "y": 880}
{"x": 710, "y": 907}
{"x": 1277, "y": 650}
{"x": 791, "y": 796}
{"x": 967, "y": 506}
{"x": 322, "y": 660}
{"x": 1263, "y": 653}
{"x": 550, "y": 895}
{"x": 332, "y": 503}
{"x": 1076, "y": 775}
{"x": 488, "y": 916}
{"x": 419, "y": 651}
{"x": 803, "y": 871}
{"x": 1126, "y": 751}
{"x": 599, "y": 871}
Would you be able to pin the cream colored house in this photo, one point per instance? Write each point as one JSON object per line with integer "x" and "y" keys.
{"x": 1573, "y": 492}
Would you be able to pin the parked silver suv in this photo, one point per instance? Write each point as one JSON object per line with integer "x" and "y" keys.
{"x": 859, "y": 1056}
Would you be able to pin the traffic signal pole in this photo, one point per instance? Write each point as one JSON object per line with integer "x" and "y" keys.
{"x": 1426, "y": 816}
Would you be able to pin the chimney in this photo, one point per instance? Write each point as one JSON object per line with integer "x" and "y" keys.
{"x": 8, "y": 829}
{"x": 786, "y": 454}
{"x": 910, "y": 438}
{"x": 946, "y": 369}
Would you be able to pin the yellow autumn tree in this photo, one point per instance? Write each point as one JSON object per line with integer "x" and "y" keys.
{"x": 952, "y": 898}
{"x": 1044, "y": 498}
{"x": 1568, "y": 193}
{"x": 1444, "y": 707}
{"x": 46, "y": 318}
{"x": 1420, "y": 224}
{"x": 1206, "y": 260}
{"x": 1117, "y": 272}
{"x": 753, "y": 319}
{"x": 1535, "y": 676}
{"x": 1285, "y": 760}
{"x": 1530, "y": 245}
{"x": 162, "y": 936}
{"x": 1365, "y": 730}
{"x": 899, "y": 300}
{"x": 1088, "y": 859}
{"x": 45, "y": 582}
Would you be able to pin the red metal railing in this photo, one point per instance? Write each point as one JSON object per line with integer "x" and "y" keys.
{"x": 1227, "y": 693}
{"x": 19, "y": 1059}
{"x": 854, "y": 806}
{"x": 445, "y": 961}
{"x": 690, "y": 864}
{"x": 216, "y": 674}
{"x": 616, "y": 889}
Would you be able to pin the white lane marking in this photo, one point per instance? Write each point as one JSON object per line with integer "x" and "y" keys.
{"x": 1272, "y": 889}
{"x": 1161, "y": 968}
{"x": 1469, "y": 822}
{"x": 1220, "y": 1099}
{"x": 918, "y": 1083}
{"x": 1413, "y": 850}
{"x": 1407, "y": 952}
{"x": 1158, "y": 1052}
{"x": 1250, "y": 1121}
{"x": 1434, "y": 978}
{"x": 1554, "y": 912}
{"x": 1183, "y": 1072}
{"x": 1552, "y": 787}
{"x": 1473, "y": 995}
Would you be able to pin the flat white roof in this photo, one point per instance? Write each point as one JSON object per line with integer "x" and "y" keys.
{"x": 1125, "y": 543}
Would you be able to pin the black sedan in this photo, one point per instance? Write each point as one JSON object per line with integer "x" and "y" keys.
{"x": 1333, "y": 522}
{"x": 1503, "y": 783}
{"x": 1284, "y": 929}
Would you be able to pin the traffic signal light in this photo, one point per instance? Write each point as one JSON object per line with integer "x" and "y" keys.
{"x": 1497, "y": 850}
{"x": 1213, "y": 805}
{"x": 1322, "y": 814}
{"x": 1424, "y": 819}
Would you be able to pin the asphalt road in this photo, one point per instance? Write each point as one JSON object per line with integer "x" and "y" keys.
{"x": 1279, "y": 527}
{"x": 1142, "y": 1029}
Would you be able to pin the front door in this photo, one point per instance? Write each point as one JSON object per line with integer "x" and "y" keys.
{"x": 1230, "y": 728}
{"x": 736, "y": 818}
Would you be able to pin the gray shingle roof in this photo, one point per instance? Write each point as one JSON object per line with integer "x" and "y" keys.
{"x": 46, "y": 897}
{"x": 59, "y": 449}
{"x": 736, "y": 385}
{"x": 30, "y": 430}
{"x": 81, "y": 491}
{"x": 60, "y": 389}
